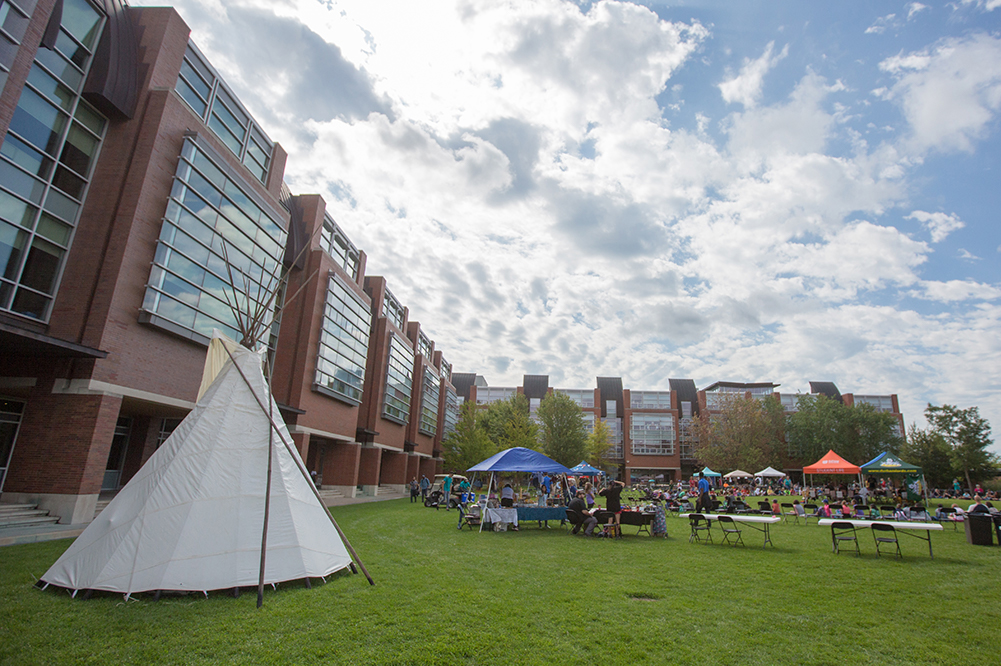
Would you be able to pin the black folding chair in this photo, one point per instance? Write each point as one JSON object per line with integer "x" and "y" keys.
{"x": 811, "y": 512}
{"x": 729, "y": 528}
{"x": 764, "y": 508}
{"x": 843, "y": 531}
{"x": 882, "y": 528}
{"x": 699, "y": 524}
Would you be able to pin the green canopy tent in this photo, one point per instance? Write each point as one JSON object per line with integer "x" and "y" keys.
{"x": 886, "y": 464}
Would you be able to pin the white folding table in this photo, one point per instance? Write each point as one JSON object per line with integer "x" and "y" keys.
{"x": 903, "y": 526}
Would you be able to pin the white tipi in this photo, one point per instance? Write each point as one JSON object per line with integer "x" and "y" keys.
{"x": 192, "y": 518}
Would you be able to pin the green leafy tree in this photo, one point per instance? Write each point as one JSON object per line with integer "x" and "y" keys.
{"x": 599, "y": 446}
{"x": 744, "y": 433}
{"x": 929, "y": 449}
{"x": 859, "y": 433}
{"x": 507, "y": 421}
{"x": 469, "y": 443}
{"x": 561, "y": 421}
{"x": 969, "y": 435}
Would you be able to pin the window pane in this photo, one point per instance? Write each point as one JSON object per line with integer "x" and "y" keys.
{"x": 26, "y": 156}
{"x": 60, "y": 205}
{"x": 89, "y": 118}
{"x": 191, "y": 97}
{"x": 38, "y": 122}
{"x": 51, "y": 88}
{"x": 16, "y": 211}
{"x": 54, "y": 230}
{"x": 82, "y": 21}
{"x": 79, "y": 150}
{"x": 61, "y": 67}
{"x": 11, "y": 245}
{"x": 29, "y": 303}
{"x": 18, "y": 181}
{"x": 41, "y": 265}
{"x": 69, "y": 182}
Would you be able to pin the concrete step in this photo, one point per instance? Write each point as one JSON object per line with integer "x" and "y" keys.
{"x": 22, "y": 513}
{"x": 100, "y": 507}
{"x": 29, "y": 521}
{"x": 14, "y": 508}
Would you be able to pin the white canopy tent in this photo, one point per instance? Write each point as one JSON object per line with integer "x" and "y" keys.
{"x": 738, "y": 474}
{"x": 770, "y": 472}
{"x": 224, "y": 503}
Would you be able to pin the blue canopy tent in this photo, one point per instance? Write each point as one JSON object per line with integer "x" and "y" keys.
{"x": 583, "y": 469}
{"x": 520, "y": 459}
{"x": 517, "y": 459}
{"x": 711, "y": 475}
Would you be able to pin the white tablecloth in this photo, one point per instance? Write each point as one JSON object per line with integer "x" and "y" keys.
{"x": 501, "y": 516}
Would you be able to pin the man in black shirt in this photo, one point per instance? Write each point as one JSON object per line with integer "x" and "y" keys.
{"x": 578, "y": 514}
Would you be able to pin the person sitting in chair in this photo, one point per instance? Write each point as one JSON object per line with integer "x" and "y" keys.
{"x": 507, "y": 496}
{"x": 578, "y": 514}
{"x": 824, "y": 510}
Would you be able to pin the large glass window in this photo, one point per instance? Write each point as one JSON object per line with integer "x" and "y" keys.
{"x": 614, "y": 426}
{"x": 46, "y": 158}
{"x": 201, "y": 87}
{"x": 451, "y": 411}
{"x": 219, "y": 253}
{"x": 650, "y": 399}
{"x": 399, "y": 383}
{"x": 429, "y": 404}
{"x": 424, "y": 346}
{"x": 583, "y": 397}
{"x": 393, "y": 310}
{"x": 882, "y": 403}
{"x": 652, "y": 434}
{"x": 487, "y": 394}
{"x": 335, "y": 243}
{"x": 340, "y": 363}
{"x": 13, "y": 23}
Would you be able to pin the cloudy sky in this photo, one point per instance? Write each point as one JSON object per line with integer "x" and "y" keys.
{"x": 764, "y": 190}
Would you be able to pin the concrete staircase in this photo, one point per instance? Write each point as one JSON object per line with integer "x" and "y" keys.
{"x": 100, "y": 506}
{"x": 24, "y": 515}
{"x": 387, "y": 492}
{"x": 330, "y": 496}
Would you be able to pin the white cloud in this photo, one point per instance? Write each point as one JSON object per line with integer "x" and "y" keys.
{"x": 949, "y": 93}
{"x": 957, "y": 290}
{"x": 508, "y": 168}
{"x": 745, "y": 87}
{"x": 880, "y": 25}
{"x": 939, "y": 225}
{"x": 917, "y": 7}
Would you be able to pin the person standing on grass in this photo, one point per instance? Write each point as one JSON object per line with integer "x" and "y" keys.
{"x": 414, "y": 489}
{"x": 446, "y": 487}
{"x": 425, "y": 485}
{"x": 705, "y": 504}
{"x": 589, "y": 495}
{"x": 613, "y": 503}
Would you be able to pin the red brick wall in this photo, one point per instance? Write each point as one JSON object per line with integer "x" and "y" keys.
{"x": 63, "y": 442}
{"x": 393, "y": 467}
{"x": 368, "y": 466}
{"x": 340, "y": 463}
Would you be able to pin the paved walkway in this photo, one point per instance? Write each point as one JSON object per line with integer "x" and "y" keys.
{"x": 10, "y": 536}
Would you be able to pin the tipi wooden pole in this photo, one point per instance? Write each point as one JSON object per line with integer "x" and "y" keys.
{"x": 302, "y": 470}
{"x": 267, "y": 502}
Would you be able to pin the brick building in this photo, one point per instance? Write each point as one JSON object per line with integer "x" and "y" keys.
{"x": 139, "y": 200}
{"x": 651, "y": 430}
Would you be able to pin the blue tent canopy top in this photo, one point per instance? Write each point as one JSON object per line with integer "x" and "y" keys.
{"x": 583, "y": 469}
{"x": 520, "y": 459}
{"x": 709, "y": 472}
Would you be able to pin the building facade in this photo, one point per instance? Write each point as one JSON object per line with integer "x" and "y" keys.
{"x": 651, "y": 431}
{"x": 141, "y": 208}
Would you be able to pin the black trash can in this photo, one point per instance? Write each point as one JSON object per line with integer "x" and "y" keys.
{"x": 978, "y": 529}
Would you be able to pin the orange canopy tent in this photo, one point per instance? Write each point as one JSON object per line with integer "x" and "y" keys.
{"x": 832, "y": 463}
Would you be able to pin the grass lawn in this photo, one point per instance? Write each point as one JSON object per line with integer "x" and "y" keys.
{"x": 539, "y": 597}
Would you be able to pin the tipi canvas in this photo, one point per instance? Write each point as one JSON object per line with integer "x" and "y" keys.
{"x": 192, "y": 518}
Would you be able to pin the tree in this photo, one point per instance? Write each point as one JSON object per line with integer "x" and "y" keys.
{"x": 929, "y": 449}
{"x": 562, "y": 427}
{"x": 744, "y": 433}
{"x": 821, "y": 424}
{"x": 507, "y": 423}
{"x": 599, "y": 446}
{"x": 969, "y": 435}
{"x": 469, "y": 443}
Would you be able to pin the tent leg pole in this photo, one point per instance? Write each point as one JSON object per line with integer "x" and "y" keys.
{"x": 302, "y": 470}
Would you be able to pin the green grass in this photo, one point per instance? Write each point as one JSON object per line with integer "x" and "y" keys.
{"x": 539, "y": 597}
